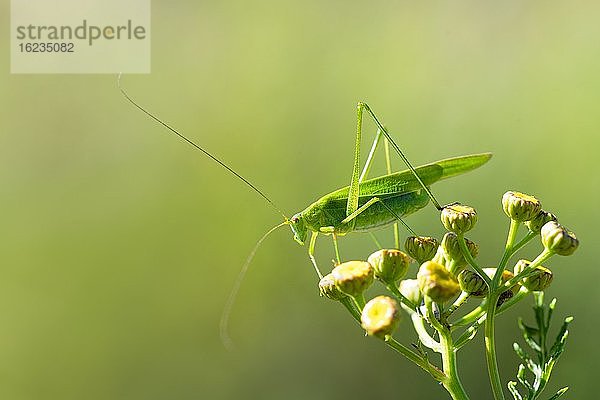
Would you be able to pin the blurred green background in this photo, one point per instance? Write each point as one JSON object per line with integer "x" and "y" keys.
{"x": 119, "y": 244}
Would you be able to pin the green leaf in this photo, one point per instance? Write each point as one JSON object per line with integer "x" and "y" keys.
{"x": 522, "y": 380}
{"x": 528, "y": 334}
{"x": 512, "y": 387}
{"x": 559, "y": 393}
{"x": 525, "y": 357}
{"x": 561, "y": 338}
{"x": 551, "y": 308}
{"x": 540, "y": 366}
{"x": 540, "y": 319}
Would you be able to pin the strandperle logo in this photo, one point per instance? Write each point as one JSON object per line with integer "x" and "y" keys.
{"x": 80, "y": 36}
{"x": 84, "y": 31}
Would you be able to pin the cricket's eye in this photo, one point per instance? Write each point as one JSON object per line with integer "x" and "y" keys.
{"x": 295, "y": 220}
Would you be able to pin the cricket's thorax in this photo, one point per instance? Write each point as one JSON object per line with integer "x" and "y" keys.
{"x": 329, "y": 211}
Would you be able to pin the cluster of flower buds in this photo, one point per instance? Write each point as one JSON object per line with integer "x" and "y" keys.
{"x": 446, "y": 269}
{"x": 525, "y": 208}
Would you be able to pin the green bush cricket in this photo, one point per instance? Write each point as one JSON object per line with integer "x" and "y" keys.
{"x": 363, "y": 206}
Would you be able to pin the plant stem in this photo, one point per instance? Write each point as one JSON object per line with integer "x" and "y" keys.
{"x": 522, "y": 242}
{"x": 417, "y": 359}
{"x": 348, "y": 302}
{"x": 467, "y": 255}
{"x": 452, "y": 381}
{"x": 490, "y": 319}
{"x": 490, "y": 347}
{"x": 508, "y": 249}
{"x": 471, "y": 316}
{"x": 360, "y": 301}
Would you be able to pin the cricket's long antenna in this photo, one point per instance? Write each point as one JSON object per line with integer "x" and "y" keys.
{"x": 224, "y": 323}
{"x": 215, "y": 159}
{"x": 401, "y": 154}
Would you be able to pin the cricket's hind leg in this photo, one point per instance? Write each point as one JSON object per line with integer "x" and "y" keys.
{"x": 365, "y": 106}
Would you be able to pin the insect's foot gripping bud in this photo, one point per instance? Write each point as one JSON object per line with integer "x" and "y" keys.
{"x": 506, "y": 276}
{"x": 539, "y": 279}
{"x": 542, "y": 217}
{"x": 471, "y": 283}
{"x": 520, "y": 207}
{"x": 328, "y": 288}
{"x": 421, "y": 248}
{"x": 389, "y": 265}
{"x": 558, "y": 239}
{"x": 410, "y": 289}
{"x": 458, "y": 218}
{"x": 353, "y": 277}
{"x": 380, "y": 317}
{"x": 451, "y": 248}
{"x": 437, "y": 282}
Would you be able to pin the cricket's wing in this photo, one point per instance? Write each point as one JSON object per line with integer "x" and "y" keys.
{"x": 459, "y": 165}
{"x": 405, "y": 181}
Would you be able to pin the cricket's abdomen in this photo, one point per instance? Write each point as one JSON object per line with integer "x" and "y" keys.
{"x": 330, "y": 212}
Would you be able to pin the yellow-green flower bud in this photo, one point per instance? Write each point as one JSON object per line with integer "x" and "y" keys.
{"x": 328, "y": 288}
{"x": 506, "y": 276}
{"x": 437, "y": 282}
{"x": 389, "y": 265}
{"x": 471, "y": 283}
{"x": 421, "y": 248}
{"x": 410, "y": 289}
{"x": 539, "y": 279}
{"x": 535, "y": 225}
{"x": 353, "y": 277}
{"x": 558, "y": 239}
{"x": 380, "y": 316}
{"x": 459, "y": 218}
{"x": 452, "y": 250}
{"x": 519, "y": 206}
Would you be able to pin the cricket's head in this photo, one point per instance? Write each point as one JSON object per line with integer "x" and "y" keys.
{"x": 298, "y": 228}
